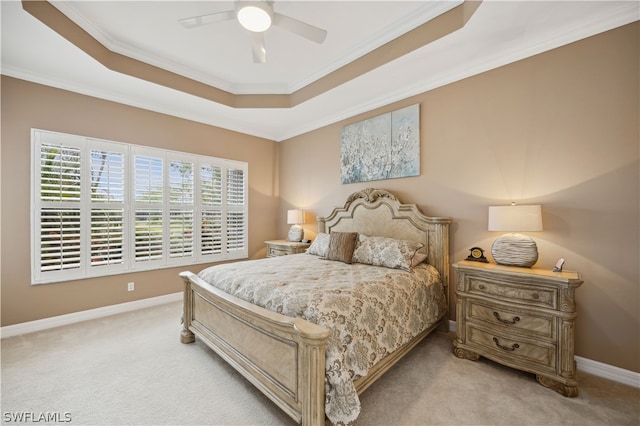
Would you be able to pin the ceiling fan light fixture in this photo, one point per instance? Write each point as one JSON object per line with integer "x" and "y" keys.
{"x": 255, "y": 16}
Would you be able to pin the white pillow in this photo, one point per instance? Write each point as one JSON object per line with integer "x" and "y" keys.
{"x": 320, "y": 245}
{"x": 387, "y": 252}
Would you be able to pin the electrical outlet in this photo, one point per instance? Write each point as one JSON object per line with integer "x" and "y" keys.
{"x": 131, "y": 286}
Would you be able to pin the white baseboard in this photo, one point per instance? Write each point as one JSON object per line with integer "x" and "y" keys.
{"x": 46, "y": 323}
{"x": 610, "y": 372}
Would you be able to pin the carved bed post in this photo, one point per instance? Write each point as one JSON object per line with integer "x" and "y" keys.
{"x": 312, "y": 392}
{"x": 186, "y": 336}
{"x": 439, "y": 243}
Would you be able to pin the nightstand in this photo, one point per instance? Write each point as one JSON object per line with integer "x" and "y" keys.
{"x": 519, "y": 317}
{"x": 284, "y": 247}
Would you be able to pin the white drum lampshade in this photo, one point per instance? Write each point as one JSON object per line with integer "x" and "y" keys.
{"x": 515, "y": 249}
{"x": 295, "y": 218}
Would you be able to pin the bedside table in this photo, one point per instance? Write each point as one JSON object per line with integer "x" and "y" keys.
{"x": 519, "y": 317}
{"x": 284, "y": 247}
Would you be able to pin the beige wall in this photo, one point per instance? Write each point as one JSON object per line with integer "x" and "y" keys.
{"x": 27, "y": 105}
{"x": 559, "y": 129}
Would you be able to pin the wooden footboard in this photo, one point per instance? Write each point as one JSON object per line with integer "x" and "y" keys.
{"x": 283, "y": 357}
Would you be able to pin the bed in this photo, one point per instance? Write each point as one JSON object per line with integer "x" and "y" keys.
{"x": 268, "y": 324}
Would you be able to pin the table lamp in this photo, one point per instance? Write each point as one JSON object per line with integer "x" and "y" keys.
{"x": 515, "y": 249}
{"x": 295, "y": 218}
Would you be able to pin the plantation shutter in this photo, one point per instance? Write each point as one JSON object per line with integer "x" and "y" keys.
{"x": 59, "y": 224}
{"x": 181, "y": 209}
{"x": 236, "y": 215}
{"x": 107, "y": 207}
{"x": 148, "y": 208}
{"x": 102, "y": 208}
{"x": 223, "y": 210}
{"x": 211, "y": 210}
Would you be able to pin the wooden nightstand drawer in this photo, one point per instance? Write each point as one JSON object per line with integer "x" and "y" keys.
{"x": 505, "y": 347}
{"x": 530, "y": 323}
{"x": 284, "y": 247}
{"x": 274, "y": 251}
{"x": 512, "y": 292}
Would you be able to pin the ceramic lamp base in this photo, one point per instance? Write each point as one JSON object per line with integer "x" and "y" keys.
{"x": 515, "y": 250}
{"x": 296, "y": 233}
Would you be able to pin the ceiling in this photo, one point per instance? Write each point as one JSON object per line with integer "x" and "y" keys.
{"x": 218, "y": 56}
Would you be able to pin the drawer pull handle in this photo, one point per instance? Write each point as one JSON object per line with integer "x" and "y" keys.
{"x": 481, "y": 287}
{"x": 505, "y": 348}
{"x": 535, "y": 296}
{"x": 505, "y": 321}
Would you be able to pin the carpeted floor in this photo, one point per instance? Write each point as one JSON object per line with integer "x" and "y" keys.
{"x": 131, "y": 369}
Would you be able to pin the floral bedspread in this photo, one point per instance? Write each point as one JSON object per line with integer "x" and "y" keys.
{"x": 371, "y": 310}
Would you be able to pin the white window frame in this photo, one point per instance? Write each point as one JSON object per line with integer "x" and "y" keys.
{"x": 129, "y": 262}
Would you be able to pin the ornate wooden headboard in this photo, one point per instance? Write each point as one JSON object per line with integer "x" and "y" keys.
{"x": 377, "y": 212}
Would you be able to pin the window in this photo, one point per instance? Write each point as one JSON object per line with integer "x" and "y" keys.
{"x": 102, "y": 207}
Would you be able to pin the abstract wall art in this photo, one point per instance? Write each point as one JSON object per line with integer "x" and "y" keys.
{"x": 382, "y": 147}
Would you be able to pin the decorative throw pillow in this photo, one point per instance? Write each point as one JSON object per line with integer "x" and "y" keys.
{"x": 319, "y": 245}
{"x": 418, "y": 258}
{"x": 341, "y": 246}
{"x": 387, "y": 252}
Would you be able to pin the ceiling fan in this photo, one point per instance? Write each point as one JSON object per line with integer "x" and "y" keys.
{"x": 258, "y": 16}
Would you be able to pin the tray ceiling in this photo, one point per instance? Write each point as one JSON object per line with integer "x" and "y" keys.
{"x": 303, "y": 85}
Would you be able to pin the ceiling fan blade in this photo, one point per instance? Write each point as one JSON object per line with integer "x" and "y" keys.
{"x": 198, "y": 21}
{"x": 257, "y": 46}
{"x": 300, "y": 28}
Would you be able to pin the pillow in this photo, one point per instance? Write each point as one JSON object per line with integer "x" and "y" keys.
{"x": 387, "y": 252}
{"x": 341, "y": 246}
{"x": 319, "y": 245}
{"x": 418, "y": 258}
